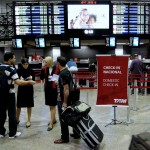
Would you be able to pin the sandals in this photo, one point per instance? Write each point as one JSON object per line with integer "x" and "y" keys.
{"x": 28, "y": 124}
{"x": 50, "y": 128}
{"x": 53, "y": 122}
{"x": 60, "y": 141}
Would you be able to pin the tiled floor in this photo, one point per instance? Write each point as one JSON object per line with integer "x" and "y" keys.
{"x": 116, "y": 137}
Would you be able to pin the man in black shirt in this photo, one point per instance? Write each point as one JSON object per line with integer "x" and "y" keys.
{"x": 64, "y": 86}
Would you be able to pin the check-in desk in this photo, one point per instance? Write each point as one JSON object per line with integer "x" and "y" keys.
{"x": 83, "y": 77}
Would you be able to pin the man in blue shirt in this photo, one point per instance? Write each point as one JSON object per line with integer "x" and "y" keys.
{"x": 71, "y": 63}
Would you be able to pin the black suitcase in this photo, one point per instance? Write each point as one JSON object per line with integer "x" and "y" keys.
{"x": 89, "y": 131}
{"x": 140, "y": 141}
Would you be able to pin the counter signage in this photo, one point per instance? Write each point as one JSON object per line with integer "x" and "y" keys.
{"x": 112, "y": 80}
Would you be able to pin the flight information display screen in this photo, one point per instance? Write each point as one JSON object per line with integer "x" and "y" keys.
{"x": 35, "y": 18}
{"x": 130, "y": 19}
{"x": 56, "y": 19}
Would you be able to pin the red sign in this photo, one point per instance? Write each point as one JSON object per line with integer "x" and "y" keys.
{"x": 112, "y": 80}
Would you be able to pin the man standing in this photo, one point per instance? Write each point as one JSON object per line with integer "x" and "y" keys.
{"x": 7, "y": 100}
{"x": 64, "y": 87}
{"x": 137, "y": 68}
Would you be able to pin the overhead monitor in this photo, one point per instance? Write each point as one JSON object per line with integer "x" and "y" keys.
{"x": 134, "y": 41}
{"x": 111, "y": 41}
{"x": 74, "y": 42}
{"x": 88, "y": 19}
{"x": 40, "y": 42}
{"x": 17, "y": 43}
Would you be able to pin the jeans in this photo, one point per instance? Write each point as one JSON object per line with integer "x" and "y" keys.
{"x": 8, "y": 104}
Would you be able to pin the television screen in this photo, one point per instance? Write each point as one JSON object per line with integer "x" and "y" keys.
{"x": 75, "y": 42}
{"x": 40, "y": 42}
{"x": 17, "y": 43}
{"x": 134, "y": 41}
{"x": 88, "y": 16}
{"x": 111, "y": 41}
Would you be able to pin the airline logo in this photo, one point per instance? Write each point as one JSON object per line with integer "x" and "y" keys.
{"x": 122, "y": 101}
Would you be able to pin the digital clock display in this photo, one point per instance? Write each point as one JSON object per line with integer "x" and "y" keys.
{"x": 88, "y": 2}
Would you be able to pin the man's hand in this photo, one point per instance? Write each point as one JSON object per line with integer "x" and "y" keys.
{"x": 29, "y": 78}
{"x": 64, "y": 106}
{"x": 31, "y": 82}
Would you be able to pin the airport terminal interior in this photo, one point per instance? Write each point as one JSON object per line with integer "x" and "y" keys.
{"x": 35, "y": 29}
{"x": 116, "y": 137}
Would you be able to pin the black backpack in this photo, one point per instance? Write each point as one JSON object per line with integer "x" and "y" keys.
{"x": 4, "y": 86}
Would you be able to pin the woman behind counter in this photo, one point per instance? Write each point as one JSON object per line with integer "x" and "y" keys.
{"x": 25, "y": 94}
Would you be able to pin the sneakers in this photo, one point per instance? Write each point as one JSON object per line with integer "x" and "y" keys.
{"x": 1, "y": 136}
{"x": 16, "y": 135}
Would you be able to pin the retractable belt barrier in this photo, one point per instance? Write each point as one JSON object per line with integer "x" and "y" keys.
{"x": 138, "y": 85}
{"x": 85, "y": 80}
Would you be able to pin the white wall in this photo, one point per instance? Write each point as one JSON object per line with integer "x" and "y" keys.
{"x": 56, "y": 53}
{"x": 119, "y": 50}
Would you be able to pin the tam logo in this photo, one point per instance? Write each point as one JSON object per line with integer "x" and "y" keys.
{"x": 120, "y": 100}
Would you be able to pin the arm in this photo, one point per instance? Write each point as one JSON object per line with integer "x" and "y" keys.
{"x": 23, "y": 83}
{"x": 17, "y": 81}
{"x": 66, "y": 94}
{"x": 33, "y": 75}
{"x": 42, "y": 75}
{"x": 131, "y": 66}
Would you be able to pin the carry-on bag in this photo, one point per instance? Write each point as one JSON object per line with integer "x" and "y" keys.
{"x": 140, "y": 141}
{"x": 89, "y": 131}
{"x": 82, "y": 108}
{"x": 72, "y": 114}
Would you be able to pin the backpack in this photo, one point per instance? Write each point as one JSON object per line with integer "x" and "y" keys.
{"x": 4, "y": 86}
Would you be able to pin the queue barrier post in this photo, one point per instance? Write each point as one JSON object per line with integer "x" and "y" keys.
{"x": 145, "y": 90}
{"x": 135, "y": 96}
{"x": 129, "y": 121}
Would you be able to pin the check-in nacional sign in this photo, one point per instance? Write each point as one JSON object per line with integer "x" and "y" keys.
{"x": 112, "y": 77}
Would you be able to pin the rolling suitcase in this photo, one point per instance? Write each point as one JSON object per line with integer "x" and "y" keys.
{"x": 140, "y": 141}
{"x": 89, "y": 131}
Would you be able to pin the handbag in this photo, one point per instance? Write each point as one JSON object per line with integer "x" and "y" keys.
{"x": 74, "y": 93}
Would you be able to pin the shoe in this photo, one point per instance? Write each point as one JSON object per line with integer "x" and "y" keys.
{"x": 2, "y": 136}
{"x": 28, "y": 124}
{"x": 50, "y": 128}
{"x": 53, "y": 122}
{"x": 75, "y": 136}
{"x": 16, "y": 135}
{"x": 60, "y": 141}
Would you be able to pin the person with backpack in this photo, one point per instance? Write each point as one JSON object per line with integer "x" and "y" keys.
{"x": 7, "y": 97}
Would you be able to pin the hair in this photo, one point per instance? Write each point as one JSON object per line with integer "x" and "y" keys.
{"x": 92, "y": 16}
{"x": 135, "y": 55}
{"x": 8, "y": 55}
{"x": 24, "y": 60}
{"x": 62, "y": 61}
{"x": 84, "y": 9}
{"x": 50, "y": 60}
